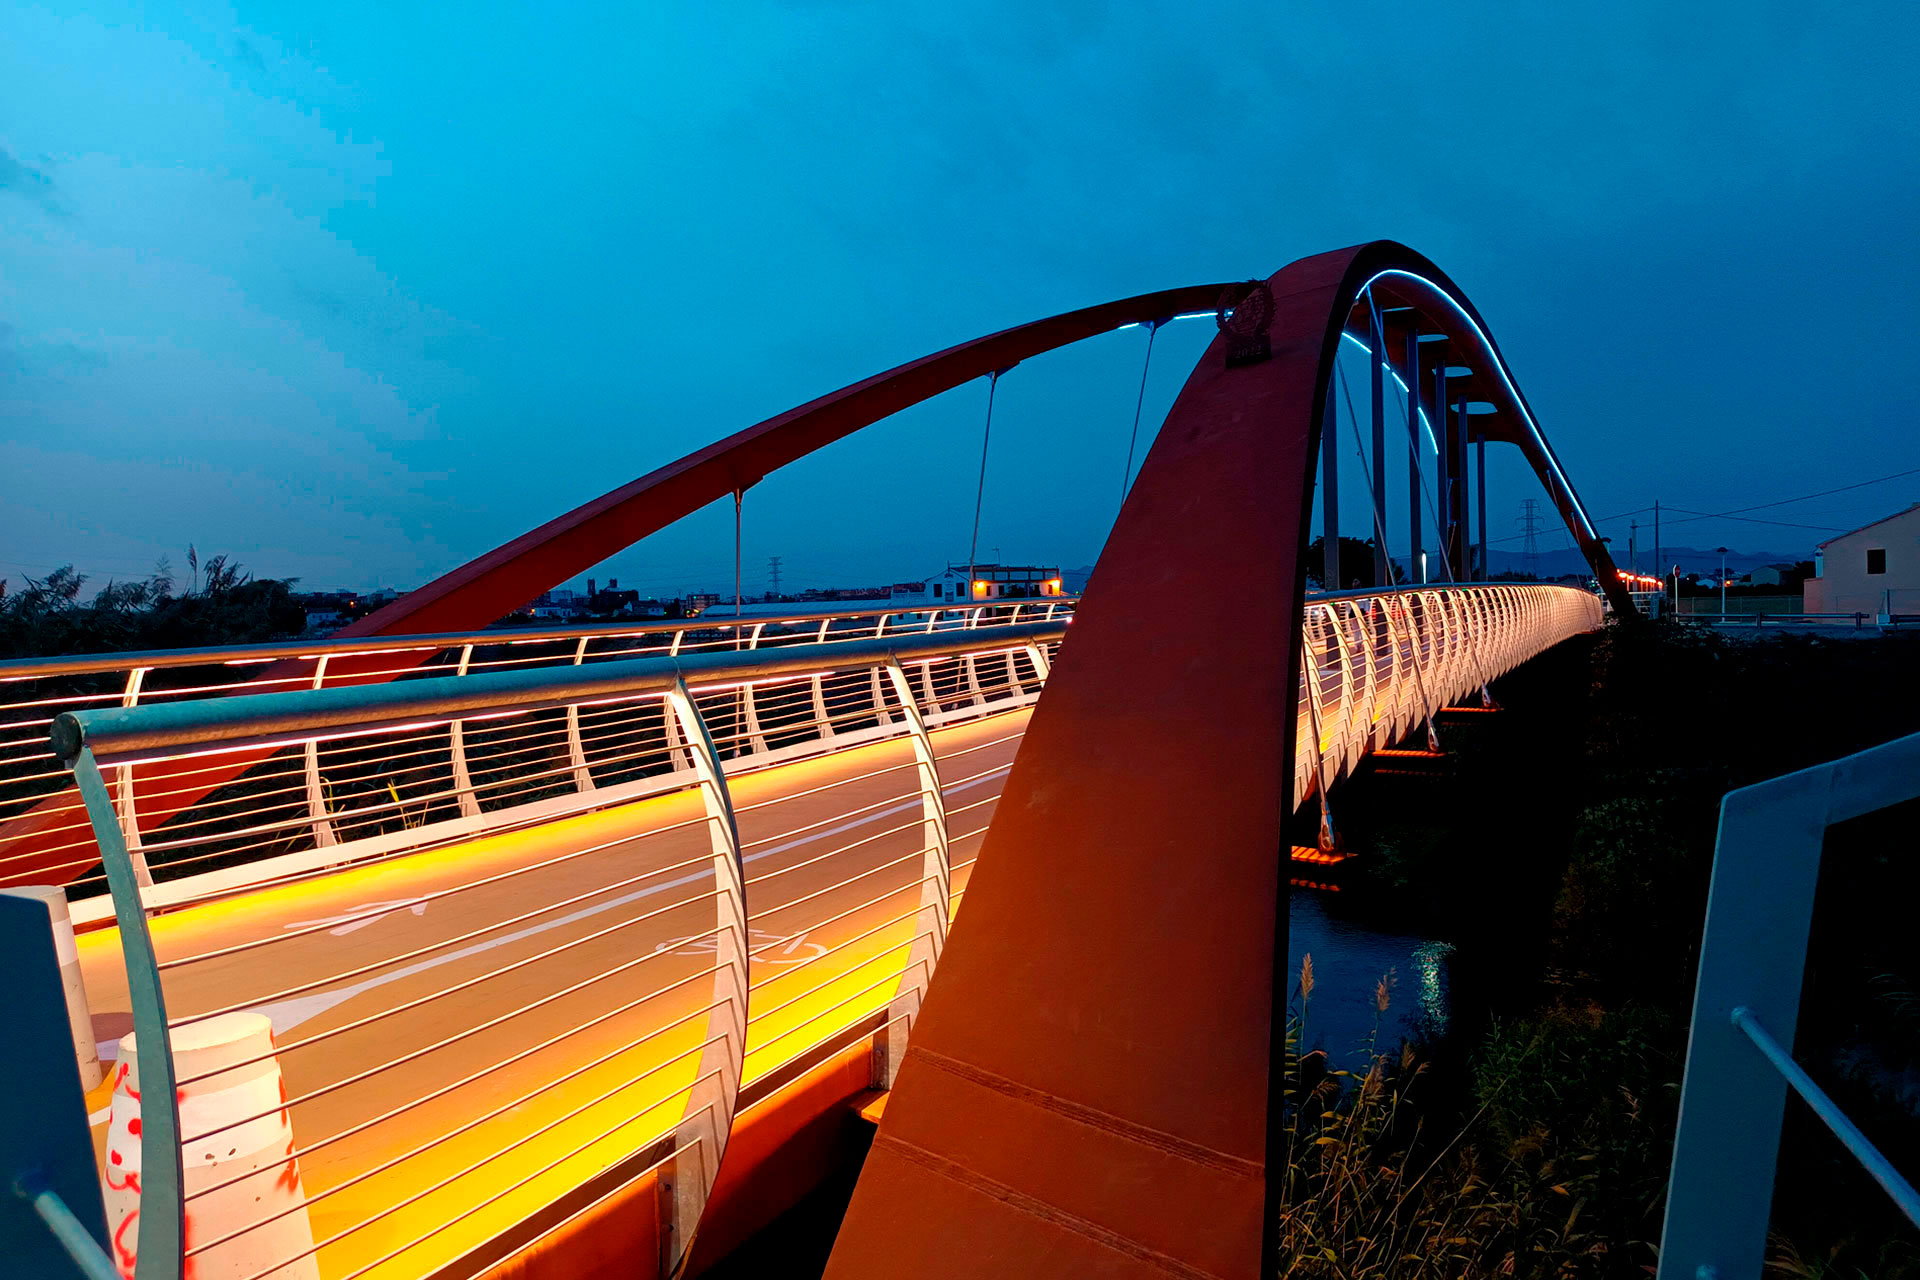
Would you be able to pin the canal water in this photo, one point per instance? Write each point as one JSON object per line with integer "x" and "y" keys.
{"x": 1349, "y": 961}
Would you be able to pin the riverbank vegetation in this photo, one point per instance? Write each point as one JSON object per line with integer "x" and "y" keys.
{"x": 220, "y": 603}
{"x": 1566, "y": 855}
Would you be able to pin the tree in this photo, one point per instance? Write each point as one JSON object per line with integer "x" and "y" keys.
{"x": 225, "y": 605}
{"x": 1356, "y": 564}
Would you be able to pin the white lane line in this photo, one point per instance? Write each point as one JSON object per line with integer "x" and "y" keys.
{"x": 287, "y": 1014}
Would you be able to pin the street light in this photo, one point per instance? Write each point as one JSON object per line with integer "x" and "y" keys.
{"x": 1723, "y": 582}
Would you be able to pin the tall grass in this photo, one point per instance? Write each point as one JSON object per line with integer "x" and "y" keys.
{"x": 1379, "y": 1184}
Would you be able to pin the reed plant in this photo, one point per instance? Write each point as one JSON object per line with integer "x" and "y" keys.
{"x": 1381, "y": 1184}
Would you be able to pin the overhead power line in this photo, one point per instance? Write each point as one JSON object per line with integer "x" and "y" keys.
{"x": 1736, "y": 513}
{"x": 1723, "y": 515}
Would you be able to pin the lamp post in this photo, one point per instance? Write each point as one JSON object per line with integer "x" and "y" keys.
{"x": 1723, "y": 582}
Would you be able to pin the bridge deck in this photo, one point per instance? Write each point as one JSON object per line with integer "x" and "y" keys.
{"x": 604, "y": 901}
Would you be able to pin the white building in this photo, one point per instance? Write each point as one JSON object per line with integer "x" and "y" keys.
{"x": 1873, "y": 570}
{"x": 990, "y": 582}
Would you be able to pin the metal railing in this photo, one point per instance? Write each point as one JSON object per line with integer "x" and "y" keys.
{"x": 314, "y": 798}
{"x": 576, "y": 1008}
{"x": 1753, "y": 957}
{"x": 567, "y": 988}
{"x": 1382, "y": 662}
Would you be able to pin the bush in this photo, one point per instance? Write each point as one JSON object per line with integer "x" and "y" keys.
{"x": 1559, "y": 1170}
{"x": 223, "y": 605}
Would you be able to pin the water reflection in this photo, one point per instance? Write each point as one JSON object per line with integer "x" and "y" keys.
{"x": 1349, "y": 960}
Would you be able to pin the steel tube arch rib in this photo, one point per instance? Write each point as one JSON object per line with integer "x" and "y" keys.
{"x": 503, "y": 579}
{"x": 1091, "y": 1085}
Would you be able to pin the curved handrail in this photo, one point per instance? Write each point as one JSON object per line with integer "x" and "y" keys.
{"x": 119, "y": 735}
{"x": 338, "y": 646}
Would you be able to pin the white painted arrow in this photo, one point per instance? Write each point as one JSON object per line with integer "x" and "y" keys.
{"x": 357, "y": 919}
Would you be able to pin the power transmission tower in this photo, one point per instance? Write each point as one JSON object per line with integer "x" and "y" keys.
{"x": 773, "y": 570}
{"x": 1530, "y": 526}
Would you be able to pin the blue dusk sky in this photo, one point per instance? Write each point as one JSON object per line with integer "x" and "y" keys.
{"x": 355, "y": 292}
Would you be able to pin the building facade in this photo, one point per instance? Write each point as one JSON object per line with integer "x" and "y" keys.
{"x": 990, "y": 582}
{"x": 1873, "y": 570}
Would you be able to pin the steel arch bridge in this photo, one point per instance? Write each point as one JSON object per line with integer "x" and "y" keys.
{"x": 1071, "y": 1127}
{"x": 1403, "y": 307}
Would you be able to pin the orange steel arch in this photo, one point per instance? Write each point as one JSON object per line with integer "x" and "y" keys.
{"x": 1093, "y": 1083}
{"x": 505, "y": 578}
{"x": 510, "y": 575}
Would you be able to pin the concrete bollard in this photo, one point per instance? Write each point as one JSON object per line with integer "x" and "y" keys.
{"x": 256, "y": 1157}
{"x": 85, "y": 1051}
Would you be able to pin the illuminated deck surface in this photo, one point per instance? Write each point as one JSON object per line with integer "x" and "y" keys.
{"x": 840, "y": 894}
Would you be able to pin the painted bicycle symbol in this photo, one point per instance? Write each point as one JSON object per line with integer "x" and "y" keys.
{"x": 790, "y": 951}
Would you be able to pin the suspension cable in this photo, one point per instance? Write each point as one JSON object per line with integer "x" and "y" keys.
{"x": 1126, "y": 476}
{"x": 738, "y": 495}
{"x": 1413, "y": 646}
{"x": 980, "y": 494}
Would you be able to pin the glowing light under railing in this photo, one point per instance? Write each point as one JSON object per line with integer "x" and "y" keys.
{"x": 625, "y": 697}
{"x": 763, "y": 680}
{"x": 369, "y": 653}
{"x": 1397, "y": 381}
{"x": 1499, "y": 367}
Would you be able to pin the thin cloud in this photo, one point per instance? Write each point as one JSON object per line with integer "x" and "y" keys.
{"x": 28, "y": 183}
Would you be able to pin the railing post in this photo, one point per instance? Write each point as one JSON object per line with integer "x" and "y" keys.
{"x": 576, "y": 747}
{"x": 1328, "y": 839}
{"x": 936, "y": 871}
{"x": 969, "y": 661}
{"x": 160, "y": 1233}
{"x": 820, "y": 717}
{"x": 686, "y": 1179}
{"x": 750, "y": 713}
{"x": 1380, "y": 658}
{"x": 316, "y": 790}
{"x": 880, "y": 712}
{"x": 1419, "y": 679}
{"x": 1753, "y": 953}
{"x": 123, "y": 784}
{"x": 1351, "y": 724}
{"x": 1042, "y": 668}
{"x": 678, "y": 750}
{"x": 457, "y": 734}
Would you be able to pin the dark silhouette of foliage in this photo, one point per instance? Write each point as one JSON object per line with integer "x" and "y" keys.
{"x": 1356, "y": 564}
{"x": 223, "y": 604}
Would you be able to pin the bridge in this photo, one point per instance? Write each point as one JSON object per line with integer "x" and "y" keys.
{"x": 460, "y": 950}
